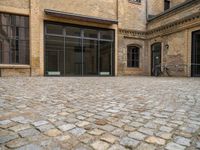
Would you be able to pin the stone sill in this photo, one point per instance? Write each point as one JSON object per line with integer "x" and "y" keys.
{"x": 9, "y": 66}
{"x": 133, "y": 68}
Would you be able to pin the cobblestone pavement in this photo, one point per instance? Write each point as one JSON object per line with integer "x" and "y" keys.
{"x": 114, "y": 113}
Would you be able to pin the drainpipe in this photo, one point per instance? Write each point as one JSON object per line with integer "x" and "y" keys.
{"x": 146, "y": 9}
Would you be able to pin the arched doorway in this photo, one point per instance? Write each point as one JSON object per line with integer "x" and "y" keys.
{"x": 195, "y": 66}
{"x": 155, "y": 59}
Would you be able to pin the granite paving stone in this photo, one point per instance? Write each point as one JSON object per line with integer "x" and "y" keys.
{"x": 137, "y": 135}
{"x": 182, "y": 141}
{"x": 174, "y": 146}
{"x": 129, "y": 143}
{"x": 29, "y": 132}
{"x": 100, "y": 145}
{"x": 115, "y": 113}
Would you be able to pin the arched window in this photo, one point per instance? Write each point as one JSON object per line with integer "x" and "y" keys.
{"x": 133, "y": 56}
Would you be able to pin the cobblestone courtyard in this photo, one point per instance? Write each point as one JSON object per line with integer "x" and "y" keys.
{"x": 114, "y": 113}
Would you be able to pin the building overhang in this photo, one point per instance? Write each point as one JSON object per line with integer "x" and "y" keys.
{"x": 79, "y": 17}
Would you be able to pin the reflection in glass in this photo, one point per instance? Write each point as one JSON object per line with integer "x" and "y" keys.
{"x": 14, "y": 33}
{"x": 73, "y": 31}
{"x": 73, "y": 56}
{"x": 107, "y": 35}
{"x": 54, "y": 29}
{"x": 90, "y": 57}
{"x": 85, "y": 51}
{"x": 54, "y": 55}
{"x": 105, "y": 57}
{"x": 90, "y": 33}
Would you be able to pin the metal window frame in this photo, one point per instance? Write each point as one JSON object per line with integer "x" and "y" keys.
{"x": 82, "y": 38}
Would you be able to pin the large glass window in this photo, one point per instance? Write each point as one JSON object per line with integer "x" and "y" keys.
{"x": 79, "y": 51}
{"x": 133, "y": 54}
{"x": 14, "y": 39}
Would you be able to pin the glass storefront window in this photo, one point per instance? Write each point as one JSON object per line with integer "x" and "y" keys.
{"x": 90, "y": 33}
{"x": 79, "y": 52}
{"x": 107, "y": 35}
{"x": 54, "y": 29}
{"x": 73, "y": 31}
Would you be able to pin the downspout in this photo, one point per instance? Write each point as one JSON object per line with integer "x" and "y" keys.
{"x": 117, "y": 9}
{"x": 30, "y": 1}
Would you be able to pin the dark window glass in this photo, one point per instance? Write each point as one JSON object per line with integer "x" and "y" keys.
{"x": 167, "y": 4}
{"x": 80, "y": 51}
{"x": 73, "y": 31}
{"x": 54, "y": 29}
{"x": 54, "y": 55}
{"x": 14, "y": 39}
{"x": 108, "y": 35}
{"x": 90, "y": 33}
{"x": 133, "y": 54}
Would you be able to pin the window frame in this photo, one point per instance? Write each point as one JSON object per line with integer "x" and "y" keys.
{"x": 135, "y": 1}
{"x": 167, "y": 4}
{"x": 17, "y": 34}
{"x": 133, "y": 56}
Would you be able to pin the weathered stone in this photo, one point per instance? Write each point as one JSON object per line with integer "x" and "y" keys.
{"x": 77, "y": 131}
{"x": 7, "y": 138}
{"x": 82, "y": 147}
{"x": 182, "y": 141}
{"x": 119, "y": 132}
{"x": 137, "y": 135}
{"x": 129, "y": 128}
{"x": 66, "y": 127}
{"x": 29, "y": 132}
{"x": 30, "y": 147}
{"x": 96, "y": 132}
{"x": 17, "y": 143}
{"x": 101, "y": 122}
{"x": 100, "y": 145}
{"x": 86, "y": 138}
{"x": 198, "y": 145}
{"x": 117, "y": 147}
{"x": 45, "y": 127}
{"x": 63, "y": 138}
{"x": 53, "y": 132}
{"x": 151, "y": 125}
{"x": 166, "y": 129}
{"x": 5, "y": 122}
{"x": 108, "y": 138}
{"x": 129, "y": 143}
{"x": 146, "y": 131}
{"x": 20, "y": 119}
{"x": 164, "y": 135}
{"x": 155, "y": 140}
{"x": 20, "y": 127}
{"x": 40, "y": 123}
{"x": 107, "y": 127}
{"x": 82, "y": 123}
{"x": 144, "y": 146}
{"x": 174, "y": 146}
{"x": 136, "y": 124}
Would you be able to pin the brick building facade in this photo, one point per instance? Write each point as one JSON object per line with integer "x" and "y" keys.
{"x": 93, "y": 37}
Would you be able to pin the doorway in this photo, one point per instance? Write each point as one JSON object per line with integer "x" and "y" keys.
{"x": 155, "y": 59}
{"x": 195, "y": 67}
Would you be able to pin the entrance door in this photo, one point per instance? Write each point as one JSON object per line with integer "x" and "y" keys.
{"x": 156, "y": 59}
{"x": 195, "y": 70}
